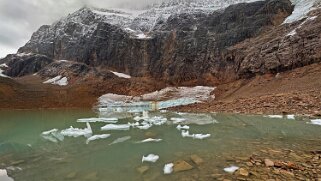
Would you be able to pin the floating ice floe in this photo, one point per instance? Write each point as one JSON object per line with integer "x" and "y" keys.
{"x": 194, "y": 136}
{"x": 179, "y": 127}
{"x": 168, "y": 168}
{"x": 94, "y": 120}
{"x": 157, "y": 121}
{"x": 178, "y": 120}
{"x": 96, "y": 137}
{"x": 150, "y": 140}
{"x": 150, "y": 158}
{"x": 231, "y": 169}
{"x": 120, "y": 140}
{"x": 4, "y": 176}
{"x": 76, "y": 132}
{"x": 290, "y": 116}
{"x": 274, "y": 116}
{"x": 52, "y": 135}
{"x": 59, "y": 80}
{"x": 145, "y": 126}
{"x": 120, "y": 127}
{"x": 316, "y": 122}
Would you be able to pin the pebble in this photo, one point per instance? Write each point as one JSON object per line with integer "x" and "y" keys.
{"x": 268, "y": 163}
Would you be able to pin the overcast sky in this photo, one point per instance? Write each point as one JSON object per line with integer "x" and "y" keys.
{"x": 20, "y": 18}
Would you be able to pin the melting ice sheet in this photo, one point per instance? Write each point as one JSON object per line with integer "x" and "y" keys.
{"x": 4, "y": 176}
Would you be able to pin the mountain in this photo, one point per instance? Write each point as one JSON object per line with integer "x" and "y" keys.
{"x": 177, "y": 41}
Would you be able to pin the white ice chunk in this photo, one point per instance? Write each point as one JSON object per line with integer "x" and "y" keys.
{"x": 231, "y": 169}
{"x": 120, "y": 127}
{"x": 274, "y": 116}
{"x": 201, "y": 136}
{"x": 316, "y": 122}
{"x": 144, "y": 127}
{"x": 76, "y": 132}
{"x": 150, "y": 140}
{"x": 4, "y": 176}
{"x": 179, "y": 127}
{"x": 178, "y": 120}
{"x": 168, "y": 168}
{"x": 94, "y": 120}
{"x": 150, "y": 158}
{"x": 52, "y": 135}
{"x": 290, "y": 116}
{"x": 194, "y": 136}
{"x": 121, "y": 75}
{"x": 134, "y": 125}
{"x": 120, "y": 140}
{"x": 96, "y": 137}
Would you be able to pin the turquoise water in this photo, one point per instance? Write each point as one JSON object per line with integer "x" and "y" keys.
{"x": 27, "y": 156}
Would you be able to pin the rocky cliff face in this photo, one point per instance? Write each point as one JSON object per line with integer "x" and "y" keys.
{"x": 188, "y": 43}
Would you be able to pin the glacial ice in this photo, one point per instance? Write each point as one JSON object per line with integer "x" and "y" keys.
{"x": 178, "y": 120}
{"x": 180, "y": 127}
{"x": 96, "y": 137}
{"x": 120, "y": 127}
{"x": 231, "y": 169}
{"x": 4, "y": 175}
{"x": 120, "y": 140}
{"x": 301, "y": 10}
{"x": 290, "y": 116}
{"x": 94, "y": 120}
{"x": 144, "y": 127}
{"x": 150, "y": 158}
{"x": 76, "y": 132}
{"x": 4, "y": 65}
{"x": 52, "y": 135}
{"x": 150, "y": 140}
{"x": 168, "y": 168}
{"x": 274, "y": 116}
{"x": 316, "y": 122}
{"x": 194, "y": 136}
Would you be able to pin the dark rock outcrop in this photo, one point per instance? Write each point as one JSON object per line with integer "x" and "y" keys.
{"x": 188, "y": 46}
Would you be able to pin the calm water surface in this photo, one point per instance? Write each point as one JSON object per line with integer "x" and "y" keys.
{"x": 29, "y": 157}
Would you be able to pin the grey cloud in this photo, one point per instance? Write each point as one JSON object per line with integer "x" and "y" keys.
{"x": 20, "y": 18}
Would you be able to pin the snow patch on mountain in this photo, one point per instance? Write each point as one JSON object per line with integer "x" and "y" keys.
{"x": 59, "y": 80}
{"x": 301, "y": 9}
{"x": 121, "y": 75}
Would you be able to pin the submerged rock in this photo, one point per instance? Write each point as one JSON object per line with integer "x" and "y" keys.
{"x": 142, "y": 169}
{"x": 197, "y": 160}
{"x": 182, "y": 165}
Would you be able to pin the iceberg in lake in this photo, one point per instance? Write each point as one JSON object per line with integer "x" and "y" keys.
{"x": 52, "y": 135}
{"x": 120, "y": 140}
{"x": 168, "y": 168}
{"x": 120, "y": 127}
{"x": 4, "y": 176}
{"x": 77, "y": 132}
{"x": 316, "y": 121}
{"x": 150, "y": 158}
{"x": 179, "y": 127}
{"x": 150, "y": 140}
{"x": 194, "y": 136}
{"x": 274, "y": 116}
{"x": 96, "y": 137}
{"x": 94, "y": 120}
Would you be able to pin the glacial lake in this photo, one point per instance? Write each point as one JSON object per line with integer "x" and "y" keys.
{"x": 28, "y": 156}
